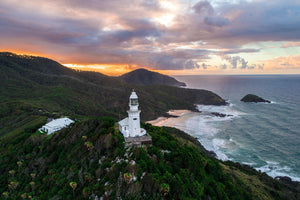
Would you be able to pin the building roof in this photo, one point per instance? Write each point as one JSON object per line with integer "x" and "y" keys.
{"x": 124, "y": 122}
{"x": 133, "y": 95}
{"x": 61, "y": 122}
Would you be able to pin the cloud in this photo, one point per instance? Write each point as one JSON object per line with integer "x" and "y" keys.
{"x": 291, "y": 44}
{"x": 224, "y": 66}
{"x": 203, "y": 8}
{"x": 216, "y": 21}
{"x": 204, "y": 66}
{"x": 190, "y": 64}
{"x": 132, "y": 32}
{"x": 283, "y": 63}
{"x": 238, "y": 62}
{"x": 239, "y": 50}
{"x": 231, "y": 25}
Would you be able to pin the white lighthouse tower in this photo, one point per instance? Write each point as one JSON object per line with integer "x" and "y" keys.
{"x": 134, "y": 116}
{"x": 130, "y": 126}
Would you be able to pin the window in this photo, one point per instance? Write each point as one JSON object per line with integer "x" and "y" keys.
{"x": 134, "y": 118}
{"x": 134, "y": 102}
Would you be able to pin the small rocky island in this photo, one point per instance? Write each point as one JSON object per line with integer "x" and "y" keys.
{"x": 254, "y": 98}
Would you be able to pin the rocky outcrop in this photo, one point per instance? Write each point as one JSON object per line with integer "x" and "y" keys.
{"x": 220, "y": 114}
{"x": 287, "y": 180}
{"x": 254, "y": 98}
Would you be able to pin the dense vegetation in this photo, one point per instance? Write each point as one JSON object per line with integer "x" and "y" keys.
{"x": 145, "y": 77}
{"x": 33, "y": 86}
{"x": 89, "y": 159}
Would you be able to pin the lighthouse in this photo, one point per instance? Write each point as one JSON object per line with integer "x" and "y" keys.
{"x": 130, "y": 126}
{"x": 134, "y": 116}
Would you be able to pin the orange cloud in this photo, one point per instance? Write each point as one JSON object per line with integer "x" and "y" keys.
{"x": 283, "y": 65}
{"x": 108, "y": 69}
{"x": 291, "y": 44}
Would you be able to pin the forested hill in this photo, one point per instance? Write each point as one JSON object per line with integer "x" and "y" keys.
{"x": 34, "y": 86}
{"x": 89, "y": 160}
{"x": 146, "y": 77}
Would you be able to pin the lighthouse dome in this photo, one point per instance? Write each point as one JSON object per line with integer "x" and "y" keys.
{"x": 133, "y": 95}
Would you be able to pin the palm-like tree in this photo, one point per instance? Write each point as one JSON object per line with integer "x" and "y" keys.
{"x": 127, "y": 177}
{"x": 164, "y": 189}
{"x": 89, "y": 145}
{"x": 73, "y": 185}
{"x": 5, "y": 195}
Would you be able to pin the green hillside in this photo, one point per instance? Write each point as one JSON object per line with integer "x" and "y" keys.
{"x": 91, "y": 156}
{"x": 36, "y": 86}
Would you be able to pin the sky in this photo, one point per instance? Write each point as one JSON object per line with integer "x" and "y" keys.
{"x": 176, "y": 37}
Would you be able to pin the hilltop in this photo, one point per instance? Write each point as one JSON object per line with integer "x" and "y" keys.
{"x": 146, "y": 77}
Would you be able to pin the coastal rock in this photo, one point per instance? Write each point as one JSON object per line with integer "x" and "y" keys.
{"x": 287, "y": 180}
{"x": 211, "y": 153}
{"x": 169, "y": 115}
{"x": 254, "y": 98}
{"x": 220, "y": 114}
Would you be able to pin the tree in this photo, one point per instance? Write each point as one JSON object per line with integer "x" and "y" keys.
{"x": 127, "y": 177}
{"x": 20, "y": 163}
{"x": 12, "y": 173}
{"x": 86, "y": 192}
{"x": 13, "y": 185}
{"x": 32, "y": 175}
{"x": 32, "y": 184}
{"x": 24, "y": 195}
{"x": 164, "y": 189}
{"x": 89, "y": 145}
{"x": 73, "y": 185}
{"x": 5, "y": 194}
{"x": 88, "y": 177}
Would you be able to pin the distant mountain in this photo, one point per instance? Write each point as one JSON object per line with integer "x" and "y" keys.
{"x": 146, "y": 77}
{"x": 35, "y": 86}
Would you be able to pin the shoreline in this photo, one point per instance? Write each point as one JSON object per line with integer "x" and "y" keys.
{"x": 170, "y": 120}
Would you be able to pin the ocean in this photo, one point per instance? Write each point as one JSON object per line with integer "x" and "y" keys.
{"x": 264, "y": 136}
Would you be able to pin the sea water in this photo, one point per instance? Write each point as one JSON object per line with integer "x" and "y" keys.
{"x": 262, "y": 135}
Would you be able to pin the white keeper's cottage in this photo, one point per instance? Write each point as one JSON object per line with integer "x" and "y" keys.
{"x": 130, "y": 126}
{"x": 56, "y": 125}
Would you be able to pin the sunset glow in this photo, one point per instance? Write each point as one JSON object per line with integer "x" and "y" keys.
{"x": 172, "y": 37}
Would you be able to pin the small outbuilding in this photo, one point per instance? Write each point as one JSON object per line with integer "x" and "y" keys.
{"x": 56, "y": 125}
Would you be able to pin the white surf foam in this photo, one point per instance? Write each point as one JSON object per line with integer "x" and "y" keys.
{"x": 228, "y": 110}
{"x": 274, "y": 169}
{"x": 249, "y": 163}
{"x": 210, "y": 146}
{"x": 203, "y": 126}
